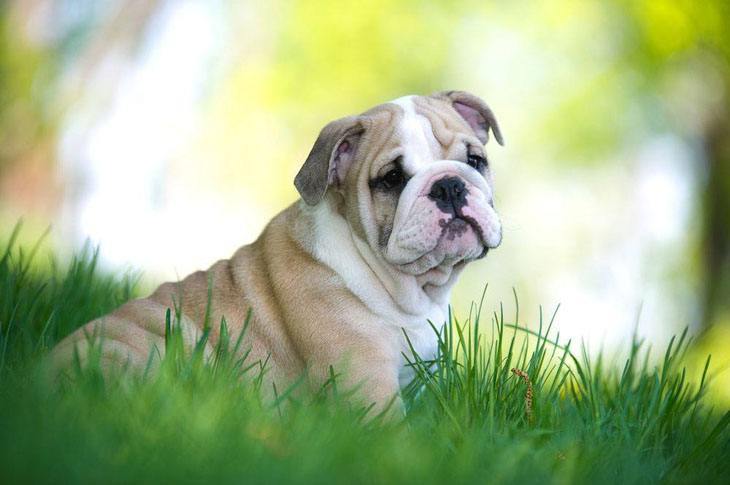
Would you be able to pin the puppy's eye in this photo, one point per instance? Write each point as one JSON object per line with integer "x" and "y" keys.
{"x": 476, "y": 161}
{"x": 393, "y": 179}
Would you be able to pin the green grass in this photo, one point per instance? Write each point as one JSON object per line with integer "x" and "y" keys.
{"x": 199, "y": 420}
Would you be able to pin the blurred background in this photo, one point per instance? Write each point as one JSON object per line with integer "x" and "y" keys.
{"x": 169, "y": 133}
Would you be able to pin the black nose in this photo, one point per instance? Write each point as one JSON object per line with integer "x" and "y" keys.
{"x": 449, "y": 193}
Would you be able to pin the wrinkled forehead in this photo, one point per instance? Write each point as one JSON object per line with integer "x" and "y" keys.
{"x": 419, "y": 129}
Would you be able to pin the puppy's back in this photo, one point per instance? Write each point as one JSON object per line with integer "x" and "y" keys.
{"x": 133, "y": 335}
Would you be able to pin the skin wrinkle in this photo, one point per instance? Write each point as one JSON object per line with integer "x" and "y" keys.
{"x": 276, "y": 303}
{"x": 384, "y": 139}
{"x": 385, "y": 235}
{"x": 438, "y": 126}
{"x": 114, "y": 329}
{"x": 444, "y": 126}
{"x": 385, "y": 142}
{"x": 378, "y": 125}
{"x": 380, "y": 138}
{"x": 480, "y": 234}
{"x": 256, "y": 331}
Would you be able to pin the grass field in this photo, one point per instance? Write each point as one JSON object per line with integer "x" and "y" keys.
{"x": 468, "y": 419}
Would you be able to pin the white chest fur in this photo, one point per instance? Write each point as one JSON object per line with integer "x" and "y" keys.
{"x": 334, "y": 246}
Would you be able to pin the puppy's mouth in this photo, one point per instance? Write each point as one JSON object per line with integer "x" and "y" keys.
{"x": 459, "y": 225}
{"x": 461, "y": 240}
{"x": 453, "y": 228}
{"x": 442, "y": 237}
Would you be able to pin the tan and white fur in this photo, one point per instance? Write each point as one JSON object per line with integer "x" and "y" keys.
{"x": 394, "y": 203}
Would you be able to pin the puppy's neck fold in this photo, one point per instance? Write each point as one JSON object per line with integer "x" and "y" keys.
{"x": 395, "y": 296}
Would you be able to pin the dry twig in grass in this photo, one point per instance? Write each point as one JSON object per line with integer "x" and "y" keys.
{"x": 528, "y": 393}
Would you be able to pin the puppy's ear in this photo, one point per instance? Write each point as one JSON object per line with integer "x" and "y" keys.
{"x": 476, "y": 112}
{"x": 330, "y": 158}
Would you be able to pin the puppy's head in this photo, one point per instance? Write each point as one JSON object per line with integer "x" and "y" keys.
{"x": 411, "y": 178}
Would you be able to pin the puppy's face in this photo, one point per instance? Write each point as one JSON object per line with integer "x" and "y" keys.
{"x": 412, "y": 179}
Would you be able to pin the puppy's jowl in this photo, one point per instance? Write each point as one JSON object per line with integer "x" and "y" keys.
{"x": 394, "y": 203}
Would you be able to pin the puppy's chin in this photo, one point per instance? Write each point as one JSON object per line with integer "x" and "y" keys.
{"x": 459, "y": 244}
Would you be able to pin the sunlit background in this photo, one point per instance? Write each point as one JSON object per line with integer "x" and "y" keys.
{"x": 169, "y": 133}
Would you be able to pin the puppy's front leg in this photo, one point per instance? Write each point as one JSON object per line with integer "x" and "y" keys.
{"x": 377, "y": 385}
{"x": 373, "y": 383}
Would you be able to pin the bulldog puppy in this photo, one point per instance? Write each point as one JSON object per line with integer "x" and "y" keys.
{"x": 394, "y": 203}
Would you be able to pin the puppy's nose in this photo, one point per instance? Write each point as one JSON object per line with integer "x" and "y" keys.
{"x": 449, "y": 193}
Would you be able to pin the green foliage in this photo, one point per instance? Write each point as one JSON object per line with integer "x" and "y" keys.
{"x": 200, "y": 418}
{"x": 353, "y": 52}
{"x": 26, "y": 119}
{"x": 39, "y": 307}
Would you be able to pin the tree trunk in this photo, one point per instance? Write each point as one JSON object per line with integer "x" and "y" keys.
{"x": 716, "y": 230}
